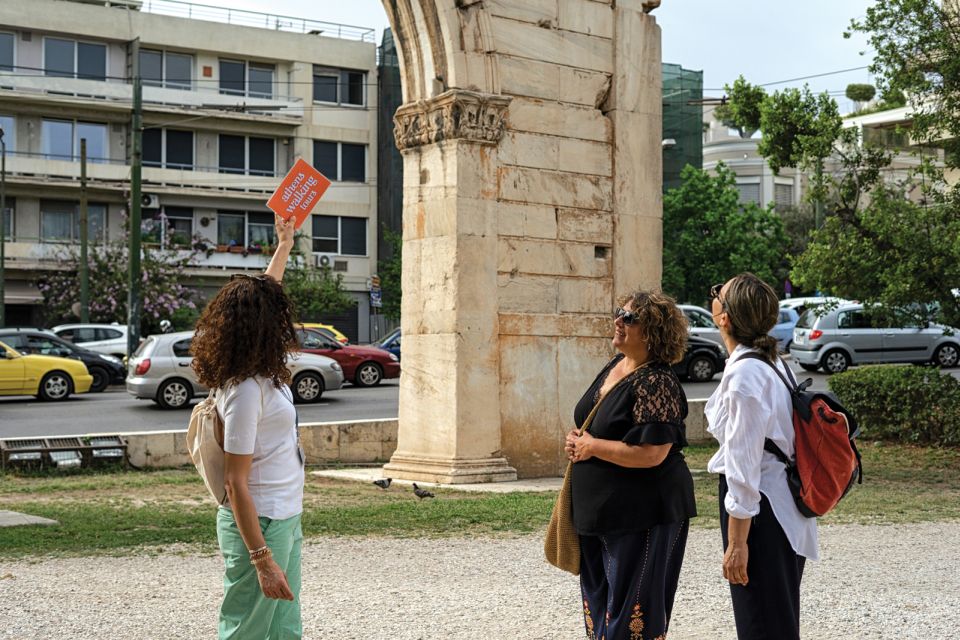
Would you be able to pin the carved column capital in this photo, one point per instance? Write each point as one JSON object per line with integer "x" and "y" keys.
{"x": 453, "y": 115}
{"x": 650, "y": 5}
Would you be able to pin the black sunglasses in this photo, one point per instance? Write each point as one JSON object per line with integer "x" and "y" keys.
{"x": 628, "y": 317}
{"x": 715, "y": 291}
{"x": 260, "y": 277}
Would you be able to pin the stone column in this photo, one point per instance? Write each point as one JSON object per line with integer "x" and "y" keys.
{"x": 449, "y": 388}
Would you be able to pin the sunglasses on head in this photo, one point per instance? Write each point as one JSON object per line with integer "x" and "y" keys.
{"x": 260, "y": 277}
{"x": 715, "y": 291}
{"x": 628, "y": 317}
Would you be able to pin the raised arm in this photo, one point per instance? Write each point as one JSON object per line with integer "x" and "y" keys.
{"x": 278, "y": 263}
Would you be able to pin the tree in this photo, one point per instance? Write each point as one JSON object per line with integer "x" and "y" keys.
{"x": 861, "y": 93}
{"x": 163, "y": 296}
{"x": 710, "y": 236}
{"x": 390, "y": 273}
{"x": 316, "y": 292}
{"x": 742, "y": 109}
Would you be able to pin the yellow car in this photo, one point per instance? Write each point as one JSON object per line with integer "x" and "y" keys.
{"x": 342, "y": 339}
{"x": 47, "y": 377}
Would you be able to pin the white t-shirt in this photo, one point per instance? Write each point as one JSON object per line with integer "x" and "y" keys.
{"x": 750, "y": 405}
{"x": 260, "y": 419}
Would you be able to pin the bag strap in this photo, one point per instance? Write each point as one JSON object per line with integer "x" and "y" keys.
{"x": 596, "y": 407}
{"x": 792, "y": 383}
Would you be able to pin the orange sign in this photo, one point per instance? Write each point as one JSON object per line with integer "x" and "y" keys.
{"x": 299, "y": 193}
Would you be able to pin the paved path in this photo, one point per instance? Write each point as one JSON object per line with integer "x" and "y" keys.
{"x": 874, "y": 582}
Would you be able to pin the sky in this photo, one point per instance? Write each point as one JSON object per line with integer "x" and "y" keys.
{"x": 766, "y": 41}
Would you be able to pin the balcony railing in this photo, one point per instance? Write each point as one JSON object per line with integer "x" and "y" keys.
{"x": 244, "y": 18}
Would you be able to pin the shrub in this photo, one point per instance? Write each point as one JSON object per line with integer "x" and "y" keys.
{"x": 910, "y": 404}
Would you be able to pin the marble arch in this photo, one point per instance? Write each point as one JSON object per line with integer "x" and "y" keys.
{"x": 531, "y": 137}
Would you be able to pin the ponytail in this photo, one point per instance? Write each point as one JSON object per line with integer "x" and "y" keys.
{"x": 767, "y": 346}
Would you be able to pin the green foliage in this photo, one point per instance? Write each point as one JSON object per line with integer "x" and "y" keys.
{"x": 316, "y": 292}
{"x": 891, "y": 251}
{"x": 710, "y": 236}
{"x": 861, "y": 92}
{"x": 390, "y": 274}
{"x": 908, "y": 404}
{"x": 799, "y": 222}
{"x": 743, "y": 109}
{"x": 163, "y": 296}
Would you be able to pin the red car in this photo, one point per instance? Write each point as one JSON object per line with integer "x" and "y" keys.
{"x": 363, "y": 366}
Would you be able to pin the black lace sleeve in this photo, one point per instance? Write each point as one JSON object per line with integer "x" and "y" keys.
{"x": 659, "y": 410}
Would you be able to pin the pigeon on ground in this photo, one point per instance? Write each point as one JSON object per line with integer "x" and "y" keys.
{"x": 421, "y": 493}
{"x": 383, "y": 483}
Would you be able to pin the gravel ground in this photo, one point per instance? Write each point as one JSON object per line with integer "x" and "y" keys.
{"x": 872, "y": 582}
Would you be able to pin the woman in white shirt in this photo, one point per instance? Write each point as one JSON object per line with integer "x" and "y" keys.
{"x": 766, "y": 538}
{"x": 240, "y": 349}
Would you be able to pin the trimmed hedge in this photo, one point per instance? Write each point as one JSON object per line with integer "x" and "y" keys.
{"x": 905, "y": 403}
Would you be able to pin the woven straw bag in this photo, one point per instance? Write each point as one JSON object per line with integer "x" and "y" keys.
{"x": 561, "y": 545}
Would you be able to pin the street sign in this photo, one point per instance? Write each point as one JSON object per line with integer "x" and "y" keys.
{"x": 375, "y": 300}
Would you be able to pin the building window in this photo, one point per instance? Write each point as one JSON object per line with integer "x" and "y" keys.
{"x": 237, "y": 78}
{"x": 72, "y": 59}
{"x": 9, "y": 126}
{"x": 341, "y": 162}
{"x": 60, "y": 222}
{"x": 253, "y": 156}
{"x": 783, "y": 195}
{"x": 60, "y": 140}
{"x": 749, "y": 192}
{"x": 250, "y": 229}
{"x": 339, "y": 235}
{"x": 166, "y": 69}
{"x": 7, "y": 41}
{"x": 179, "y": 226}
{"x": 339, "y": 86}
{"x": 170, "y": 148}
{"x": 8, "y": 218}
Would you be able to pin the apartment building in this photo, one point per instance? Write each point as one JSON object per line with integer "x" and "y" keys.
{"x": 230, "y": 100}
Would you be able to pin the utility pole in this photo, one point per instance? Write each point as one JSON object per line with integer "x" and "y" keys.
{"x": 3, "y": 227}
{"x": 84, "y": 237}
{"x": 136, "y": 160}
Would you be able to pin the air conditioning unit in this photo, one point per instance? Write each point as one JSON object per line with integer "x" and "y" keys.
{"x": 325, "y": 260}
{"x": 150, "y": 201}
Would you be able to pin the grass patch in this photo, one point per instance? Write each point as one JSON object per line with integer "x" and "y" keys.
{"x": 110, "y": 511}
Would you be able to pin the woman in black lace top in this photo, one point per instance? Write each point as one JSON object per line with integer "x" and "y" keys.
{"x": 632, "y": 490}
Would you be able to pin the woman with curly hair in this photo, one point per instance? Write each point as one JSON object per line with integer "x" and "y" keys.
{"x": 632, "y": 490}
{"x": 240, "y": 350}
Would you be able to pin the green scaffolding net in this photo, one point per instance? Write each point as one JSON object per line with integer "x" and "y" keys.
{"x": 682, "y": 122}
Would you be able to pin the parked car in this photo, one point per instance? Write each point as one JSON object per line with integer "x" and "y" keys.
{"x": 160, "y": 370}
{"x": 108, "y": 339}
{"x": 106, "y": 370}
{"x": 702, "y": 360}
{"x": 342, "y": 339}
{"x": 363, "y": 366}
{"x": 391, "y": 343}
{"x": 847, "y": 335}
{"x": 783, "y": 330}
{"x": 700, "y": 323}
{"x": 802, "y": 304}
{"x": 47, "y": 377}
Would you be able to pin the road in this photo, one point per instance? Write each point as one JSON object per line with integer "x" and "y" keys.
{"x": 113, "y": 411}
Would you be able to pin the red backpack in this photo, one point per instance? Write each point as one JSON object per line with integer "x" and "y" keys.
{"x": 827, "y": 462}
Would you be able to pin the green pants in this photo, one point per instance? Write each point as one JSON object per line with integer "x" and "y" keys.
{"x": 246, "y": 614}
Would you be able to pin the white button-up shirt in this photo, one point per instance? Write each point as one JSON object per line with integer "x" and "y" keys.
{"x": 750, "y": 405}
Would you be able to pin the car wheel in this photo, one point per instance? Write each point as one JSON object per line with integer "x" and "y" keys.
{"x": 809, "y": 367}
{"x": 946, "y": 356}
{"x": 55, "y": 386}
{"x": 307, "y": 387}
{"x": 174, "y": 394}
{"x": 101, "y": 379}
{"x": 835, "y": 361}
{"x": 701, "y": 369}
{"x": 369, "y": 374}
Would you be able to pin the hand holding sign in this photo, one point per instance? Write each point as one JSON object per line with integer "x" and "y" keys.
{"x": 298, "y": 193}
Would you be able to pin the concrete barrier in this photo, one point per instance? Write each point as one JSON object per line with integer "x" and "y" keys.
{"x": 361, "y": 441}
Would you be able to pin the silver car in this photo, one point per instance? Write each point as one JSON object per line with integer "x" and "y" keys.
{"x": 160, "y": 371}
{"x": 108, "y": 339}
{"x": 846, "y": 335}
{"x": 700, "y": 323}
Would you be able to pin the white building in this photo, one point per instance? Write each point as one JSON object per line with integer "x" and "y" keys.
{"x": 231, "y": 99}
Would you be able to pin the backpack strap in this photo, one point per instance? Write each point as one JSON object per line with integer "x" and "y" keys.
{"x": 792, "y": 383}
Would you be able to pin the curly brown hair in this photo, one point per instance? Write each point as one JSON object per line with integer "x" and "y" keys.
{"x": 246, "y": 330}
{"x": 662, "y": 325}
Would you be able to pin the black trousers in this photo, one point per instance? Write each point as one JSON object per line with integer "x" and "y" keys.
{"x": 628, "y": 581}
{"x": 768, "y": 607}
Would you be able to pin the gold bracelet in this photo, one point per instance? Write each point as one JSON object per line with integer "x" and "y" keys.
{"x": 262, "y": 558}
{"x": 256, "y": 553}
